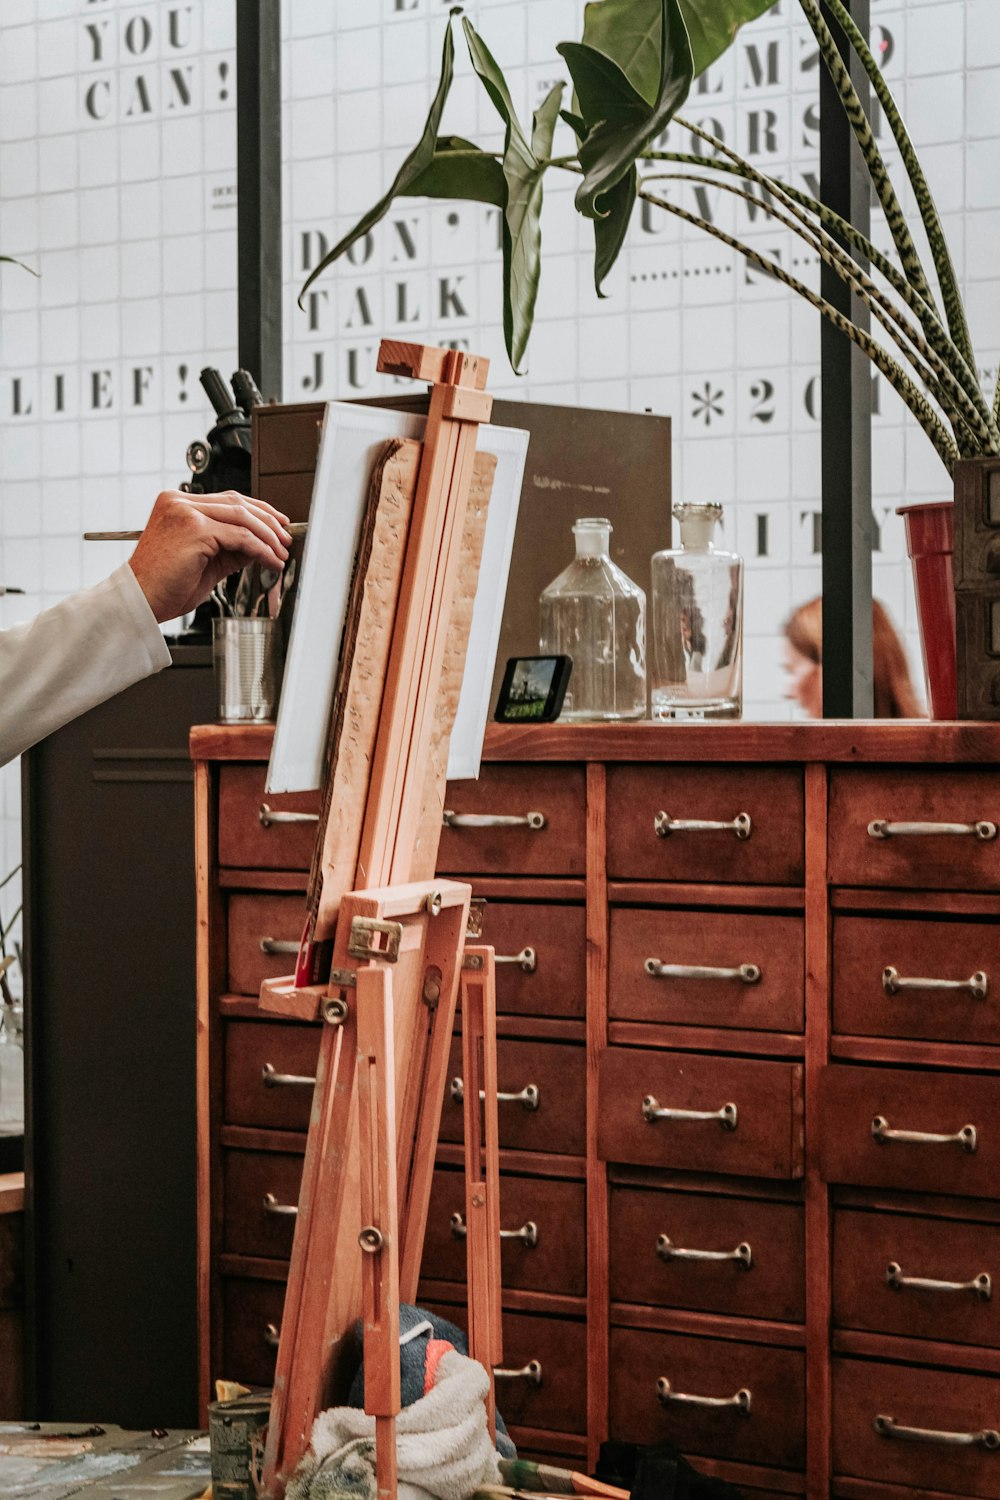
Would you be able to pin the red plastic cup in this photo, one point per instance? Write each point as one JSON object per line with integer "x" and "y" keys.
{"x": 930, "y": 543}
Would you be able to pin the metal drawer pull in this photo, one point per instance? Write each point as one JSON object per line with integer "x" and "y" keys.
{"x": 268, "y": 816}
{"x": 890, "y": 1428}
{"x": 667, "y": 1250}
{"x": 532, "y": 820}
{"x": 881, "y": 828}
{"x": 272, "y": 1335}
{"x": 981, "y": 1286}
{"x": 652, "y": 1111}
{"x": 977, "y": 984}
{"x": 667, "y": 1396}
{"x": 528, "y": 1098}
{"x": 966, "y": 1137}
{"x": 527, "y": 959}
{"x": 273, "y": 1080}
{"x": 279, "y": 945}
{"x": 664, "y": 825}
{"x": 747, "y": 973}
{"x": 279, "y": 1210}
{"x": 531, "y": 1372}
{"x": 527, "y": 1234}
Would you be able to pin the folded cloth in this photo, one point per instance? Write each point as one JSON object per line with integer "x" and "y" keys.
{"x": 443, "y": 1447}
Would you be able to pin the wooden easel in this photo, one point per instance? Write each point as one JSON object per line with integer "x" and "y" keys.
{"x": 419, "y": 650}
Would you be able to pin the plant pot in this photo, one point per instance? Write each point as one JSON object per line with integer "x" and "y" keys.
{"x": 930, "y": 543}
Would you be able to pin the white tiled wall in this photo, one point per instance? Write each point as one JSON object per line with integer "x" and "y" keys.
{"x": 117, "y": 185}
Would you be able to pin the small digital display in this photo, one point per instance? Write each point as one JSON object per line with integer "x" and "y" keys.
{"x": 533, "y": 689}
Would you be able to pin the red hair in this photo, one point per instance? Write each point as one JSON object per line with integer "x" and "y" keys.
{"x": 893, "y": 692}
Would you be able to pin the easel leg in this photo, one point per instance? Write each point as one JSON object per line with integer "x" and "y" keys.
{"x": 482, "y": 1163}
{"x": 379, "y": 1237}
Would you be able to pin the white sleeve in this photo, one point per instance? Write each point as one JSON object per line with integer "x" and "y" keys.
{"x": 74, "y": 656}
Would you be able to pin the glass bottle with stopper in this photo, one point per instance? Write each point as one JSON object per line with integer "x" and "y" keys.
{"x": 697, "y": 623}
{"x": 595, "y": 614}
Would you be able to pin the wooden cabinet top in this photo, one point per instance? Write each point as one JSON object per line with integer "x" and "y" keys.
{"x": 854, "y": 740}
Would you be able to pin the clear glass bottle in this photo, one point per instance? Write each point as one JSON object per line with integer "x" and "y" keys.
{"x": 596, "y": 615}
{"x": 697, "y": 623}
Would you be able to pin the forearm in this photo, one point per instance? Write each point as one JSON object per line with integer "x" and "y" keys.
{"x": 74, "y": 656}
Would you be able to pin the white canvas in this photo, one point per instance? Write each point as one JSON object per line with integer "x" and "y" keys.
{"x": 352, "y": 436}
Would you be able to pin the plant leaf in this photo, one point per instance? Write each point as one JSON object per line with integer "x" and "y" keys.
{"x": 629, "y": 32}
{"x": 11, "y": 260}
{"x": 524, "y": 166}
{"x": 417, "y": 162}
{"x": 626, "y": 123}
{"x": 611, "y": 228}
{"x": 459, "y": 169}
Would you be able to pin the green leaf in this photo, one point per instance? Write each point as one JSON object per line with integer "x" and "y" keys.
{"x": 416, "y": 163}
{"x": 621, "y": 122}
{"x": 10, "y": 260}
{"x": 524, "y": 166}
{"x": 459, "y": 169}
{"x": 610, "y": 230}
{"x": 628, "y": 31}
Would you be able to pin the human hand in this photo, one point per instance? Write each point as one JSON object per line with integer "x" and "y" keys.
{"x": 191, "y": 542}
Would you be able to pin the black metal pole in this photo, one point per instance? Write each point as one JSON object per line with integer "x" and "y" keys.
{"x": 258, "y": 187}
{"x": 846, "y": 406}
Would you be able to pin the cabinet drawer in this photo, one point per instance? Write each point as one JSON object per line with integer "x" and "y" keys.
{"x": 931, "y": 1401}
{"x": 249, "y": 837}
{"x": 771, "y": 797}
{"x": 718, "y": 1254}
{"x": 763, "y": 1100}
{"x": 260, "y": 1190}
{"x": 285, "y": 1055}
{"x": 935, "y": 1104}
{"x": 928, "y": 795}
{"x": 548, "y": 1112}
{"x": 555, "y": 847}
{"x": 251, "y": 1322}
{"x": 543, "y": 1222}
{"x": 263, "y": 938}
{"x": 547, "y": 1359}
{"x": 754, "y": 964}
{"x": 876, "y": 1256}
{"x": 888, "y": 974}
{"x": 541, "y": 957}
{"x": 769, "y": 1430}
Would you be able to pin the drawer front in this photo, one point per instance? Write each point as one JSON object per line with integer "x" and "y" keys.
{"x": 881, "y": 1262}
{"x": 557, "y": 847}
{"x": 753, "y": 969}
{"x": 260, "y": 1191}
{"x": 935, "y": 1104}
{"x": 249, "y": 839}
{"x": 251, "y": 1314}
{"x": 928, "y": 795}
{"x": 548, "y": 1073}
{"x": 289, "y": 1052}
{"x": 543, "y": 1222}
{"x": 263, "y": 938}
{"x": 762, "y": 1139}
{"x": 910, "y": 1396}
{"x": 551, "y": 1398}
{"x": 771, "y": 797}
{"x": 888, "y": 973}
{"x": 771, "y": 1431}
{"x": 716, "y": 1254}
{"x": 541, "y": 957}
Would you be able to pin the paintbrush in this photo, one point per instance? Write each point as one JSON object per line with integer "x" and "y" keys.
{"x": 296, "y": 528}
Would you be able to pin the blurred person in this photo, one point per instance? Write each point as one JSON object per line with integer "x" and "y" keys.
{"x": 103, "y": 639}
{"x": 892, "y": 689}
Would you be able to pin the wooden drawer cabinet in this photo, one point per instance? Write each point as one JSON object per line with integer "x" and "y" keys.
{"x": 709, "y": 1114}
{"x": 915, "y": 828}
{"x": 899, "y": 1424}
{"x": 644, "y": 802}
{"x": 737, "y": 969}
{"x": 932, "y": 1132}
{"x": 523, "y": 820}
{"x": 740, "y": 1256}
{"x": 710, "y": 1396}
{"x": 914, "y": 977}
{"x": 918, "y": 1277}
{"x": 734, "y": 977}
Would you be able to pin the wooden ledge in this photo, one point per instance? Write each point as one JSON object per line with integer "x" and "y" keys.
{"x": 11, "y": 1192}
